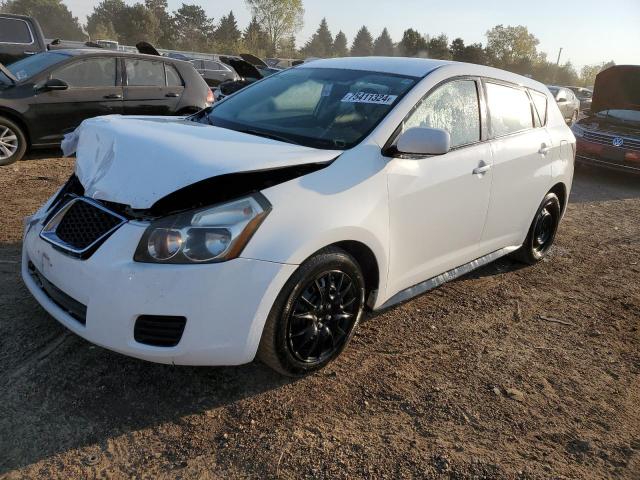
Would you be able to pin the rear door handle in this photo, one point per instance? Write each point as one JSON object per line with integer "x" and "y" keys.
{"x": 172, "y": 95}
{"x": 113, "y": 96}
{"x": 482, "y": 169}
{"x": 544, "y": 149}
{"x": 29, "y": 52}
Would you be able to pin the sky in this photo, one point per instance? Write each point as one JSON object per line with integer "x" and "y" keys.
{"x": 588, "y": 31}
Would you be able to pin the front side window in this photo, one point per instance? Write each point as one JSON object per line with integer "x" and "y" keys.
{"x": 14, "y": 30}
{"x": 509, "y": 109}
{"x": 317, "y": 107}
{"x": 93, "y": 72}
{"x": 144, "y": 73}
{"x": 452, "y": 107}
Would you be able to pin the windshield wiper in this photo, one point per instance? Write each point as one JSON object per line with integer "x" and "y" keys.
{"x": 272, "y": 136}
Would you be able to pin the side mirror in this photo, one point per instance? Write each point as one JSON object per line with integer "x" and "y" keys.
{"x": 561, "y": 100}
{"x": 55, "y": 84}
{"x": 424, "y": 141}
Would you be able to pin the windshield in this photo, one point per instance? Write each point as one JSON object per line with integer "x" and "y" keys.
{"x": 632, "y": 116}
{"x": 315, "y": 107}
{"x": 30, "y": 66}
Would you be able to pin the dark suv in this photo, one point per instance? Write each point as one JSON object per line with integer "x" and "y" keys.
{"x": 45, "y": 96}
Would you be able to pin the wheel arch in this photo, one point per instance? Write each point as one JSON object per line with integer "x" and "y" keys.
{"x": 18, "y": 120}
{"x": 560, "y": 189}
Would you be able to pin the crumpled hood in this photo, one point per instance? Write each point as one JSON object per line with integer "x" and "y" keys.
{"x": 136, "y": 161}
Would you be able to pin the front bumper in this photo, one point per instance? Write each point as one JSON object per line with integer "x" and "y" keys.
{"x": 607, "y": 156}
{"x": 225, "y": 304}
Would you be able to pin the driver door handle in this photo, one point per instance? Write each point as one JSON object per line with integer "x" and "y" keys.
{"x": 482, "y": 169}
{"x": 172, "y": 95}
{"x": 544, "y": 149}
{"x": 113, "y": 96}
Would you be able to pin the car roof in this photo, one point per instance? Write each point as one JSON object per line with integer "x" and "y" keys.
{"x": 77, "y": 52}
{"x": 421, "y": 67}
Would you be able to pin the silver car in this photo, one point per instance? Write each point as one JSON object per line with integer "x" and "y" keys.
{"x": 567, "y": 102}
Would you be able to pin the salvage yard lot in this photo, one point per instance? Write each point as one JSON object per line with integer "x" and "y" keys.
{"x": 509, "y": 372}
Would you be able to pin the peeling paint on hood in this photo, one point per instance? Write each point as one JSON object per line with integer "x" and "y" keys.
{"x": 136, "y": 161}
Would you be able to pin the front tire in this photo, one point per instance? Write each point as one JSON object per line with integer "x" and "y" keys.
{"x": 542, "y": 232}
{"x": 13, "y": 143}
{"x": 315, "y": 314}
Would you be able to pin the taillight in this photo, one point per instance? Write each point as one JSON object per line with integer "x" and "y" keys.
{"x": 210, "y": 97}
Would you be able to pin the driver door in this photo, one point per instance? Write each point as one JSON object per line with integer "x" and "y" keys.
{"x": 94, "y": 90}
{"x": 438, "y": 204}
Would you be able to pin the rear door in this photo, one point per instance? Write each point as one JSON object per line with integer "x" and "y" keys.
{"x": 522, "y": 153}
{"x": 94, "y": 90}
{"x": 18, "y": 39}
{"x": 151, "y": 87}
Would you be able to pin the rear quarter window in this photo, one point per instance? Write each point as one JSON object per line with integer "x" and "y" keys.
{"x": 540, "y": 104}
{"x": 173, "y": 77}
{"x": 14, "y": 30}
{"x": 509, "y": 109}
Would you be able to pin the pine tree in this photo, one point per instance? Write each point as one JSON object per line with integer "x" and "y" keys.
{"x": 340, "y": 47}
{"x": 321, "y": 43}
{"x": 255, "y": 39}
{"x": 362, "y": 44}
{"x": 383, "y": 46}
{"x": 227, "y": 36}
{"x": 413, "y": 44}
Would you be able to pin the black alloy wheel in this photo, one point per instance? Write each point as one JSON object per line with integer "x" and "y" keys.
{"x": 315, "y": 314}
{"x": 542, "y": 232}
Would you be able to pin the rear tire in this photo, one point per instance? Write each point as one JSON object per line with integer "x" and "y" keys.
{"x": 315, "y": 314}
{"x": 13, "y": 143}
{"x": 542, "y": 232}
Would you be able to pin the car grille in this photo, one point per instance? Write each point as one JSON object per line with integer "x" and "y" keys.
{"x": 159, "y": 331}
{"x": 80, "y": 226}
{"x": 607, "y": 139}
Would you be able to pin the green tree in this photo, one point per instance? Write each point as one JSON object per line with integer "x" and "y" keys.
{"x": 105, "y": 17}
{"x": 474, "y": 53}
{"x": 194, "y": 28}
{"x": 321, "y": 43}
{"x": 509, "y": 46}
{"x": 166, "y": 24}
{"x": 227, "y": 36}
{"x": 254, "y": 39}
{"x": 54, "y": 17}
{"x": 138, "y": 24}
{"x": 362, "y": 44}
{"x": 589, "y": 72}
{"x": 340, "y": 45}
{"x": 456, "y": 49}
{"x": 383, "y": 46}
{"x": 287, "y": 47}
{"x": 280, "y": 19}
{"x": 104, "y": 31}
{"x": 438, "y": 47}
{"x": 413, "y": 44}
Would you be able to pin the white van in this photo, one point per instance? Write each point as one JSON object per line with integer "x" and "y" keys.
{"x": 267, "y": 223}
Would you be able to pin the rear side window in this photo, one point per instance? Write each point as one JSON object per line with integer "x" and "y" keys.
{"x": 453, "y": 107}
{"x": 173, "y": 78}
{"x": 13, "y": 30}
{"x": 144, "y": 73}
{"x": 509, "y": 109}
{"x": 93, "y": 72}
{"x": 540, "y": 102}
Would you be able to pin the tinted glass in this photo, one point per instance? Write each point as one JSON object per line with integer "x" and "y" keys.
{"x": 209, "y": 65}
{"x": 173, "y": 79}
{"x": 452, "y": 107}
{"x": 540, "y": 102}
{"x": 509, "y": 109}
{"x": 94, "y": 72}
{"x": 317, "y": 107}
{"x": 13, "y": 30}
{"x": 30, "y": 66}
{"x": 145, "y": 73}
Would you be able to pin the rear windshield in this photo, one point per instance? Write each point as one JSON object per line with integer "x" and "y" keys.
{"x": 315, "y": 107}
{"x": 14, "y": 30}
{"x": 30, "y": 66}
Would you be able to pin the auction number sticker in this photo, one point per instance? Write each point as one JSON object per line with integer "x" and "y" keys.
{"x": 373, "y": 98}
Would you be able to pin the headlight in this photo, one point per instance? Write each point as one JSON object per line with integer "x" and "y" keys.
{"x": 213, "y": 234}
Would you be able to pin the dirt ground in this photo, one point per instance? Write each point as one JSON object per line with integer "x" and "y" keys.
{"x": 509, "y": 372}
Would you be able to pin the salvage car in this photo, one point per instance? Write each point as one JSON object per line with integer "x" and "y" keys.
{"x": 214, "y": 73}
{"x": 610, "y": 136}
{"x": 20, "y": 37}
{"x": 265, "y": 224}
{"x": 567, "y": 102}
{"x": 584, "y": 95}
{"x": 44, "y": 96}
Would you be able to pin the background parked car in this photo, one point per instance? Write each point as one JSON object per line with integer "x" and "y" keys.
{"x": 260, "y": 64}
{"x": 567, "y": 102}
{"x": 248, "y": 74}
{"x": 20, "y": 36}
{"x": 584, "y": 95}
{"x": 214, "y": 73}
{"x": 44, "y": 96}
